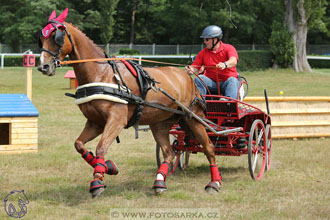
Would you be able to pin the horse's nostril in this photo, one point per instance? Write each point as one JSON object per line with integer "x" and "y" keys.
{"x": 45, "y": 68}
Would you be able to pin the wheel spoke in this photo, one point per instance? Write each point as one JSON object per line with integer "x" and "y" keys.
{"x": 255, "y": 161}
{"x": 260, "y": 136}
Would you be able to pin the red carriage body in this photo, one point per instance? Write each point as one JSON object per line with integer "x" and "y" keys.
{"x": 240, "y": 129}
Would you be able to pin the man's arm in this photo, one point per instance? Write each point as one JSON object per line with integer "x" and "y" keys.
{"x": 231, "y": 62}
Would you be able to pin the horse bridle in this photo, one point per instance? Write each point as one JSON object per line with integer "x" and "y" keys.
{"x": 59, "y": 40}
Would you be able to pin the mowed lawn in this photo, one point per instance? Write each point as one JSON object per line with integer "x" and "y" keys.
{"x": 56, "y": 179}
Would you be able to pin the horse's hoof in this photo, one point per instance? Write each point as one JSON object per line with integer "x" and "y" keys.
{"x": 96, "y": 188}
{"x": 159, "y": 191}
{"x": 213, "y": 187}
{"x": 159, "y": 186}
{"x": 97, "y": 192}
{"x": 111, "y": 168}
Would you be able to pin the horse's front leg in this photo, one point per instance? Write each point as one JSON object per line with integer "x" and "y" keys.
{"x": 111, "y": 130}
{"x": 160, "y": 132}
{"x": 90, "y": 132}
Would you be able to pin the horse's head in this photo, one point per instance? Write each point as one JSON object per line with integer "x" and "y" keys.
{"x": 55, "y": 43}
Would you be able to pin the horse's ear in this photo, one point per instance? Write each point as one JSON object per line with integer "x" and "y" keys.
{"x": 52, "y": 16}
{"x": 61, "y": 18}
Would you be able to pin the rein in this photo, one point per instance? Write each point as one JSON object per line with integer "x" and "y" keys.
{"x": 116, "y": 94}
{"x": 107, "y": 59}
{"x": 127, "y": 58}
{"x": 134, "y": 59}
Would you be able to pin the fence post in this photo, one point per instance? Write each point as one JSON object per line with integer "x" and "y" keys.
{"x": 28, "y": 62}
{"x": 153, "y": 48}
{"x": 177, "y": 49}
{"x": 108, "y": 48}
{"x": 2, "y": 60}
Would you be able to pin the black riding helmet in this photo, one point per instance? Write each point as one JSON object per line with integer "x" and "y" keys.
{"x": 212, "y": 31}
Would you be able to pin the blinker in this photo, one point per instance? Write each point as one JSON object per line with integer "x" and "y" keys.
{"x": 59, "y": 37}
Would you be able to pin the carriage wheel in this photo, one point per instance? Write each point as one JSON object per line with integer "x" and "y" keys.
{"x": 257, "y": 149}
{"x": 269, "y": 146}
{"x": 180, "y": 160}
{"x": 243, "y": 88}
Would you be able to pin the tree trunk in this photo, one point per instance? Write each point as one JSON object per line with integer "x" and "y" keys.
{"x": 297, "y": 25}
{"x": 132, "y": 27}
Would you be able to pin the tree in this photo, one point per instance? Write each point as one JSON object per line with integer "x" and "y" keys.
{"x": 15, "y": 26}
{"x": 161, "y": 21}
{"x": 23, "y": 24}
{"x": 320, "y": 34}
{"x": 299, "y": 16}
{"x": 281, "y": 45}
{"x": 107, "y": 12}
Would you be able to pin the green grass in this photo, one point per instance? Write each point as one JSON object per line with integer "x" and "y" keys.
{"x": 56, "y": 179}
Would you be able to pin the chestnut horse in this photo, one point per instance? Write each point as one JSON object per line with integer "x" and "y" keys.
{"x": 109, "y": 117}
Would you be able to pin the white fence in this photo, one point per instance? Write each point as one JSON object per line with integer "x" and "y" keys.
{"x": 156, "y": 49}
{"x": 151, "y": 49}
{"x": 140, "y": 57}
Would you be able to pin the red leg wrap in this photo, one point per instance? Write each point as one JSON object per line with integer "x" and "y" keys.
{"x": 163, "y": 169}
{"x": 215, "y": 174}
{"x": 100, "y": 165}
{"x": 89, "y": 158}
{"x": 111, "y": 168}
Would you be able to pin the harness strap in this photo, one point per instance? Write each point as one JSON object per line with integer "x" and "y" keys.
{"x": 145, "y": 81}
{"x": 129, "y": 97}
{"x": 117, "y": 73}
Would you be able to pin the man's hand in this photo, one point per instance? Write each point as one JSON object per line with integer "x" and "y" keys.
{"x": 221, "y": 65}
{"x": 190, "y": 70}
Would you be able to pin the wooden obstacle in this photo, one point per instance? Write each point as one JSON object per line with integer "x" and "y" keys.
{"x": 295, "y": 117}
{"x": 18, "y": 124}
{"x": 72, "y": 76}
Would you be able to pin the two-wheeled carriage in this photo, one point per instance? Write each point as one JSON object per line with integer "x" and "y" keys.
{"x": 235, "y": 128}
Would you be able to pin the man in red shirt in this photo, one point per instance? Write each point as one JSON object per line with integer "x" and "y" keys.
{"x": 219, "y": 60}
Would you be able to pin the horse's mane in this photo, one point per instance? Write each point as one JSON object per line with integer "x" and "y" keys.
{"x": 89, "y": 40}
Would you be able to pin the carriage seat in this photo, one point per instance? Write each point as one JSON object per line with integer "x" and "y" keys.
{"x": 242, "y": 89}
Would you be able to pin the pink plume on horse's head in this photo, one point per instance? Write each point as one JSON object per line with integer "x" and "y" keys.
{"x": 49, "y": 28}
{"x": 61, "y": 18}
{"x": 52, "y": 16}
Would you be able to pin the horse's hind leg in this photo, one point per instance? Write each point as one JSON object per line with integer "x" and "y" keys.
{"x": 201, "y": 135}
{"x": 160, "y": 132}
